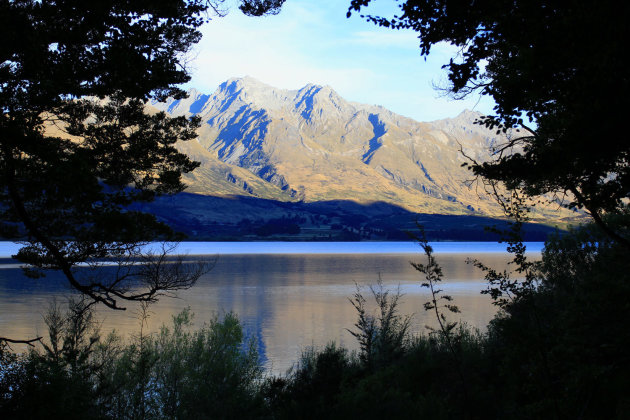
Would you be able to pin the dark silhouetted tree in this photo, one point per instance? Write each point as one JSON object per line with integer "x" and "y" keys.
{"x": 261, "y": 7}
{"x": 78, "y": 144}
{"x": 561, "y": 64}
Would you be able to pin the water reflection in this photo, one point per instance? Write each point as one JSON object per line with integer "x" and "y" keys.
{"x": 287, "y": 302}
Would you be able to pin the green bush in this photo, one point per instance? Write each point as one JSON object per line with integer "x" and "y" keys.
{"x": 212, "y": 372}
{"x": 58, "y": 381}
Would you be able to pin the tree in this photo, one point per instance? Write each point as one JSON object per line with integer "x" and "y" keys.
{"x": 563, "y": 65}
{"x": 261, "y": 7}
{"x": 78, "y": 145}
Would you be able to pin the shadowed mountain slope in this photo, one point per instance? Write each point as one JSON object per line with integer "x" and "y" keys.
{"x": 311, "y": 145}
{"x": 204, "y": 217}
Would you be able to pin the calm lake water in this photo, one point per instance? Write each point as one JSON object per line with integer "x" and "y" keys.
{"x": 287, "y": 295}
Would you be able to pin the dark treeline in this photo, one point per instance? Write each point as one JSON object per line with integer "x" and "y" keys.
{"x": 556, "y": 349}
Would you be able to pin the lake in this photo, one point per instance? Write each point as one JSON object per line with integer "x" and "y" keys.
{"x": 287, "y": 295}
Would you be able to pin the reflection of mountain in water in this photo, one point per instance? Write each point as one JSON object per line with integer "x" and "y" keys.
{"x": 288, "y": 302}
{"x": 311, "y": 145}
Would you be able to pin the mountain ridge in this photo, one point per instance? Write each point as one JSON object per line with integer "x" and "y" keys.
{"x": 310, "y": 145}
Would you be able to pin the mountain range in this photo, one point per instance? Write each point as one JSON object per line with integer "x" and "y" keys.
{"x": 299, "y": 149}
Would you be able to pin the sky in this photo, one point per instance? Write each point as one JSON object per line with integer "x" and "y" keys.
{"x": 312, "y": 41}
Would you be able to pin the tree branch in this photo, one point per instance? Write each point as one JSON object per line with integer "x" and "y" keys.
{"x": 598, "y": 219}
{"x": 159, "y": 274}
{"x": 13, "y": 341}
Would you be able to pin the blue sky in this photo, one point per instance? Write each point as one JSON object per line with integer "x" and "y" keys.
{"x": 312, "y": 41}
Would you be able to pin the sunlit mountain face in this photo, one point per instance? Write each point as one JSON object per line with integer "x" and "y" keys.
{"x": 312, "y": 146}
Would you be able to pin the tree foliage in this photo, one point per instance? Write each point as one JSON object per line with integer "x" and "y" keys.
{"x": 562, "y": 65}
{"x": 261, "y": 7}
{"x": 77, "y": 143}
{"x": 212, "y": 372}
{"x": 382, "y": 337}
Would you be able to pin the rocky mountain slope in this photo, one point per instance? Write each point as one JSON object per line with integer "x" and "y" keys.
{"x": 311, "y": 145}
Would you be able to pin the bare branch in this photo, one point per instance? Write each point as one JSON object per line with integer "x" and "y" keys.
{"x": 14, "y": 341}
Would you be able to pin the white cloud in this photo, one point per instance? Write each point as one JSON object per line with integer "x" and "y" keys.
{"x": 312, "y": 42}
{"x": 283, "y": 56}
